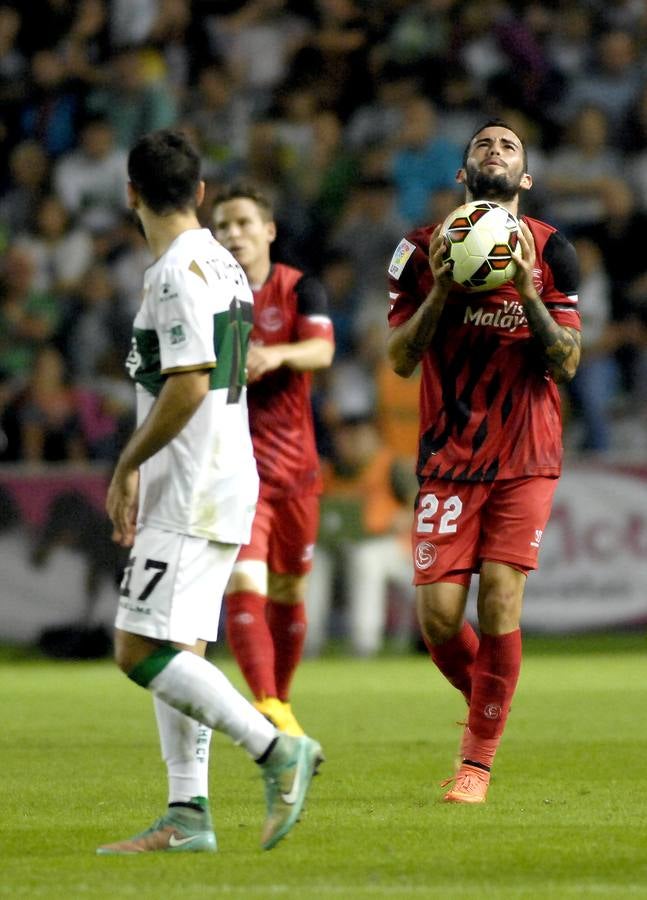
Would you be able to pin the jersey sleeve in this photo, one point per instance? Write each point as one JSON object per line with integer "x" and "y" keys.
{"x": 409, "y": 277}
{"x": 184, "y": 322}
{"x": 313, "y": 319}
{"x": 560, "y": 294}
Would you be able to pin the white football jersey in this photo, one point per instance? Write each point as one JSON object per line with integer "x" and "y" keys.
{"x": 196, "y": 313}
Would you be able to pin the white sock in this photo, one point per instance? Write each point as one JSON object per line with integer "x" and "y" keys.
{"x": 185, "y": 750}
{"x": 196, "y": 687}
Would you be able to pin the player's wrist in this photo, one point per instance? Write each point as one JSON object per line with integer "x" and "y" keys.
{"x": 437, "y": 296}
{"x": 529, "y": 296}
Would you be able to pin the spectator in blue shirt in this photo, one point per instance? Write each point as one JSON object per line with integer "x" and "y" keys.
{"x": 423, "y": 161}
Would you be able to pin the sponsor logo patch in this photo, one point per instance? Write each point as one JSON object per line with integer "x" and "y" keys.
{"x": 399, "y": 260}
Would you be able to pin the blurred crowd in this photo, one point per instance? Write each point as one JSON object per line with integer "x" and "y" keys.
{"x": 352, "y": 115}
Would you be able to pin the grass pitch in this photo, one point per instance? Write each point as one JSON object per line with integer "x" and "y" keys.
{"x": 566, "y": 815}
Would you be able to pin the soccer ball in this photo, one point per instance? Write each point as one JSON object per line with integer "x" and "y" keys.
{"x": 482, "y": 245}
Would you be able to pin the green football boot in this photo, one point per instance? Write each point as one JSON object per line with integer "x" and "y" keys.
{"x": 181, "y": 830}
{"x": 287, "y": 774}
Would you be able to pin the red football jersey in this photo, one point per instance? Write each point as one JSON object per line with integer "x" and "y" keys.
{"x": 289, "y": 307}
{"x": 488, "y": 407}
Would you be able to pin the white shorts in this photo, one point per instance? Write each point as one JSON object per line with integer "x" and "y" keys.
{"x": 173, "y": 586}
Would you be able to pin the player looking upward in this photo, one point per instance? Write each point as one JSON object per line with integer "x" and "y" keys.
{"x": 292, "y": 336}
{"x": 183, "y": 495}
{"x": 490, "y": 449}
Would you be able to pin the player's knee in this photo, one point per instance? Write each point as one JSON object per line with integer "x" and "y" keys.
{"x": 124, "y": 653}
{"x": 123, "y": 659}
{"x": 248, "y": 575}
{"x": 499, "y": 609}
{"x": 287, "y": 588}
{"x": 440, "y": 610}
{"x": 438, "y": 623}
{"x": 500, "y": 598}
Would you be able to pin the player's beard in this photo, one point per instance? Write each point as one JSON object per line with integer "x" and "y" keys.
{"x": 484, "y": 186}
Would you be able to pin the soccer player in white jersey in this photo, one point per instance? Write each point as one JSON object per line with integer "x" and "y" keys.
{"x": 183, "y": 496}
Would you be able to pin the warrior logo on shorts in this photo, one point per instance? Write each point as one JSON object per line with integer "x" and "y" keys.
{"x": 425, "y": 555}
{"x": 308, "y": 553}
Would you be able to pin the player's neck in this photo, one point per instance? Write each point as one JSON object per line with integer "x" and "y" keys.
{"x": 258, "y": 272}
{"x": 161, "y": 231}
{"x": 511, "y": 205}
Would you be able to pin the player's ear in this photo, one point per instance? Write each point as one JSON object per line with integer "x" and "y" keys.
{"x": 199, "y": 194}
{"x": 271, "y": 231}
{"x": 526, "y": 182}
{"x": 132, "y": 195}
{"x": 460, "y": 176}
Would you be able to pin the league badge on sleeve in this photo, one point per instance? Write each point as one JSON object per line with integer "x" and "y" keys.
{"x": 176, "y": 334}
{"x": 402, "y": 253}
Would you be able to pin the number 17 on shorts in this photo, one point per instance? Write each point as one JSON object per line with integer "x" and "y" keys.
{"x": 172, "y": 586}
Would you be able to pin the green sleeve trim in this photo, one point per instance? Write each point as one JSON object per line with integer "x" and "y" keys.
{"x": 149, "y": 668}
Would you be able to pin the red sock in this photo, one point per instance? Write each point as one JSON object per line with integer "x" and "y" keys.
{"x": 251, "y": 642}
{"x": 455, "y": 658}
{"x": 494, "y": 680}
{"x": 287, "y": 624}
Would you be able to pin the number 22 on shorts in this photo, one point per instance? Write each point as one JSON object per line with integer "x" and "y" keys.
{"x": 428, "y": 514}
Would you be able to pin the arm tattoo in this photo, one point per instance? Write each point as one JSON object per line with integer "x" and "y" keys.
{"x": 411, "y": 340}
{"x": 418, "y": 342}
{"x": 426, "y": 325}
{"x": 561, "y": 345}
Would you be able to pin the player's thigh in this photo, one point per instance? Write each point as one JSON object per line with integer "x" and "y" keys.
{"x": 514, "y": 520}
{"x": 294, "y": 532}
{"x": 172, "y": 587}
{"x": 262, "y": 525}
{"x": 446, "y": 531}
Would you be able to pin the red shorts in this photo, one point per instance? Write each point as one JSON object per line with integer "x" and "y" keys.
{"x": 457, "y": 525}
{"x": 284, "y": 532}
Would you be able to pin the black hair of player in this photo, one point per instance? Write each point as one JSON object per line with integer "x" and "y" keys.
{"x": 164, "y": 168}
{"x": 495, "y": 123}
{"x": 245, "y": 190}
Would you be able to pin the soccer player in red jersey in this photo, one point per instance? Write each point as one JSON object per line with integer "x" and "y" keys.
{"x": 489, "y": 451}
{"x": 292, "y": 336}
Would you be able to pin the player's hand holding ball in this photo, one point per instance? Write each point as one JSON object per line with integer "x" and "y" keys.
{"x": 526, "y": 262}
{"x": 440, "y": 266}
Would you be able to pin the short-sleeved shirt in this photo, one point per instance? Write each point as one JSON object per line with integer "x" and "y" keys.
{"x": 289, "y": 307}
{"x": 489, "y": 408}
{"x": 196, "y": 313}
